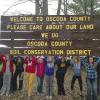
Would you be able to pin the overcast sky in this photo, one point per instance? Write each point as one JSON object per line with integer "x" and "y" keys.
{"x": 26, "y": 7}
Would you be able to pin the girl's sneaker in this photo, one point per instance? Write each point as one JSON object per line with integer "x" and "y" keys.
{"x": 29, "y": 97}
{"x": 2, "y": 93}
{"x": 50, "y": 97}
{"x": 81, "y": 94}
{"x": 7, "y": 94}
{"x": 47, "y": 97}
{"x": 38, "y": 94}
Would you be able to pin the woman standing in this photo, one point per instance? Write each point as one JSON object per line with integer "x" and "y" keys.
{"x": 18, "y": 73}
{"x": 8, "y": 69}
{"x": 40, "y": 74}
{"x": 30, "y": 70}
{"x": 1, "y": 73}
{"x": 98, "y": 78}
{"x": 49, "y": 77}
{"x": 77, "y": 67}
{"x": 60, "y": 75}
{"x": 91, "y": 79}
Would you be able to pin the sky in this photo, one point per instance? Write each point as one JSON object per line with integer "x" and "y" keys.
{"x": 26, "y": 7}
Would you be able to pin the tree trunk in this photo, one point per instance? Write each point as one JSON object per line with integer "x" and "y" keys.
{"x": 37, "y": 7}
{"x": 65, "y": 7}
{"x": 85, "y": 7}
{"x": 59, "y": 7}
{"x": 45, "y": 7}
{"x": 92, "y": 7}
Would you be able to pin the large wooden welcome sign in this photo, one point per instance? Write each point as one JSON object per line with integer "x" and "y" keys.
{"x": 51, "y": 35}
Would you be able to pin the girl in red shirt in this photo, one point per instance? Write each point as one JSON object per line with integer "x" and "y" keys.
{"x": 30, "y": 70}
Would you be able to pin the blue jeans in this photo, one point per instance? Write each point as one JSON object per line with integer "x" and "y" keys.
{"x": 91, "y": 89}
{"x": 98, "y": 86}
{"x": 49, "y": 85}
{"x": 39, "y": 84}
{"x": 1, "y": 80}
{"x": 6, "y": 83}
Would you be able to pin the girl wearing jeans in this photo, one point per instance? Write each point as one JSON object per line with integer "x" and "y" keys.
{"x": 91, "y": 79}
{"x": 40, "y": 74}
{"x": 77, "y": 67}
{"x": 1, "y": 73}
{"x": 49, "y": 77}
{"x": 60, "y": 75}
{"x": 8, "y": 69}
{"x": 98, "y": 78}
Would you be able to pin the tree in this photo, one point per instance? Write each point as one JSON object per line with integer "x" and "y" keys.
{"x": 65, "y": 7}
{"x": 92, "y": 7}
{"x": 41, "y": 7}
{"x": 59, "y": 7}
{"x": 84, "y": 7}
{"x": 45, "y": 7}
{"x": 37, "y": 7}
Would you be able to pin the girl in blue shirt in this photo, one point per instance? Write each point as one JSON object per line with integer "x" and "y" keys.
{"x": 49, "y": 76}
{"x": 76, "y": 66}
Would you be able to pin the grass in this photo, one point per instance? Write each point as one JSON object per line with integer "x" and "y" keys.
{"x": 22, "y": 95}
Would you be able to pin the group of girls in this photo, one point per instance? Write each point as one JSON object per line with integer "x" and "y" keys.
{"x": 17, "y": 71}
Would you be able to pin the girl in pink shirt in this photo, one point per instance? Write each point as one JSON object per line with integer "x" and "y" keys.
{"x": 40, "y": 74}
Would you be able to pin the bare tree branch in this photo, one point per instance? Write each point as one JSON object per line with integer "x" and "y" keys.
{"x": 15, "y": 4}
